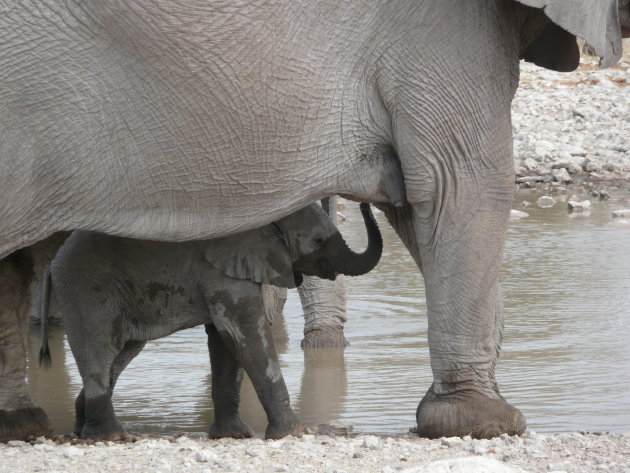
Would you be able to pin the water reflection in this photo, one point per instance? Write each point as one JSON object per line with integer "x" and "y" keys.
{"x": 565, "y": 359}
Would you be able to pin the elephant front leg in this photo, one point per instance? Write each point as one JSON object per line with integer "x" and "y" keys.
{"x": 458, "y": 245}
{"x": 20, "y": 418}
{"x": 227, "y": 376}
{"x": 461, "y": 258}
{"x": 246, "y": 331}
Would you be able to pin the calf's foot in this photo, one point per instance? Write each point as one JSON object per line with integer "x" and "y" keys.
{"x": 100, "y": 422}
{"x": 25, "y": 423}
{"x": 235, "y": 428}
{"x": 467, "y": 412}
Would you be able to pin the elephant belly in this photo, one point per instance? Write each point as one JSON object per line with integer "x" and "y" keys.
{"x": 163, "y": 321}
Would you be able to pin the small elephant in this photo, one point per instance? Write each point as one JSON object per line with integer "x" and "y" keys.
{"x": 116, "y": 293}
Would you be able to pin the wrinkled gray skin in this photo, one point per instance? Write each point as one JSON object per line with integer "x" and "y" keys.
{"x": 191, "y": 120}
{"x": 324, "y": 303}
{"x": 116, "y": 293}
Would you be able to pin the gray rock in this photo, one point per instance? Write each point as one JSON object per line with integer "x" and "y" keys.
{"x": 591, "y": 166}
{"x": 561, "y": 175}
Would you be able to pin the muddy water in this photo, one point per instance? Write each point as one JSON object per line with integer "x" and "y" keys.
{"x": 565, "y": 361}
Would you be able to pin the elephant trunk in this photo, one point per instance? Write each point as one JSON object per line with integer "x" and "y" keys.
{"x": 355, "y": 264}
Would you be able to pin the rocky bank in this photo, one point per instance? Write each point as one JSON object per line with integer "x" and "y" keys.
{"x": 570, "y": 452}
{"x": 572, "y": 127}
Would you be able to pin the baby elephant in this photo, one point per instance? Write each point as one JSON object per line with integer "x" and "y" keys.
{"x": 116, "y": 293}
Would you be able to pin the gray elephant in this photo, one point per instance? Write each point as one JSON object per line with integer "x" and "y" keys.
{"x": 116, "y": 293}
{"x": 196, "y": 120}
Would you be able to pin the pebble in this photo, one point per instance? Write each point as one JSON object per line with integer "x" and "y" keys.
{"x": 622, "y": 213}
{"x": 546, "y": 202}
{"x": 575, "y": 206}
{"x": 517, "y": 214}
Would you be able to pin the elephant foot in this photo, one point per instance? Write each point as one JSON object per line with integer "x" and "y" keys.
{"x": 235, "y": 428}
{"x": 101, "y": 432}
{"x": 467, "y": 412}
{"x": 290, "y": 425}
{"x": 100, "y": 422}
{"x": 26, "y": 423}
{"x": 325, "y": 339}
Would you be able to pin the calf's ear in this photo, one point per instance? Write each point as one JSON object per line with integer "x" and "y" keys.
{"x": 595, "y": 21}
{"x": 260, "y": 255}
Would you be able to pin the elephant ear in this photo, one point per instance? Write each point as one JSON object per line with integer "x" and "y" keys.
{"x": 595, "y": 21}
{"x": 260, "y": 255}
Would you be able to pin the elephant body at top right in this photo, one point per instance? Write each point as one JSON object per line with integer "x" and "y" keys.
{"x": 196, "y": 120}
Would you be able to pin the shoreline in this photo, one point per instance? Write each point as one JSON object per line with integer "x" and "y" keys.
{"x": 348, "y": 453}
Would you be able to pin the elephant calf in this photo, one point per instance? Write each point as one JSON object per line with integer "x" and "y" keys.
{"x": 116, "y": 293}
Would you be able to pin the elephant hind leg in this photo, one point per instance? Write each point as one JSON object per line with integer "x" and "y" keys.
{"x": 227, "y": 375}
{"x": 129, "y": 352}
{"x": 20, "y": 418}
{"x": 95, "y": 419}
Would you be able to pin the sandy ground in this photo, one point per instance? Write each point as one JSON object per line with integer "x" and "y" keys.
{"x": 566, "y": 452}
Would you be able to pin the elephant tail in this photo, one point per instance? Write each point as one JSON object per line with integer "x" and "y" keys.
{"x": 44, "y": 351}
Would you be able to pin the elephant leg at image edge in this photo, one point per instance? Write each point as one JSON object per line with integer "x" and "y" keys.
{"x": 227, "y": 376}
{"x": 20, "y": 418}
{"x": 465, "y": 319}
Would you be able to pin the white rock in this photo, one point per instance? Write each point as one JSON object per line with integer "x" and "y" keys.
{"x": 621, "y": 213}
{"x": 451, "y": 442}
{"x": 530, "y": 164}
{"x": 516, "y": 214}
{"x": 16, "y": 443}
{"x": 72, "y": 452}
{"x": 546, "y": 202}
{"x": 256, "y": 452}
{"x": 575, "y": 206}
{"x": 205, "y": 456}
{"x": 370, "y": 441}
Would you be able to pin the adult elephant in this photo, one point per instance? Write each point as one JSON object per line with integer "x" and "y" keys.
{"x": 185, "y": 120}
